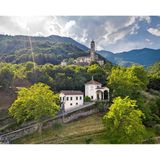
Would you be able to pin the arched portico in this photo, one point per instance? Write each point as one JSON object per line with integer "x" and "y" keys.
{"x": 101, "y": 93}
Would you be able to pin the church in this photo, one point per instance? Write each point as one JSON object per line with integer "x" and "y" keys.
{"x": 95, "y": 91}
{"x": 72, "y": 98}
{"x": 86, "y": 60}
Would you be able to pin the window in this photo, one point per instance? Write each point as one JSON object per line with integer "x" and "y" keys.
{"x": 91, "y": 97}
{"x": 67, "y": 98}
{"x": 76, "y": 103}
{"x": 71, "y": 98}
{"x": 76, "y": 98}
{"x": 80, "y": 97}
{"x": 63, "y": 98}
{"x": 70, "y": 104}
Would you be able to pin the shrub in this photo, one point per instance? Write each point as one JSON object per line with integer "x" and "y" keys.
{"x": 101, "y": 106}
{"x": 88, "y": 140}
{"x": 87, "y": 99}
{"x": 157, "y": 129}
{"x": 150, "y": 140}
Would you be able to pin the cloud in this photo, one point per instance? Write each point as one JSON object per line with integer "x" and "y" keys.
{"x": 127, "y": 46}
{"x": 149, "y": 41}
{"x": 109, "y": 32}
{"x": 154, "y": 31}
{"x": 145, "y": 18}
{"x": 115, "y": 34}
{"x": 129, "y": 27}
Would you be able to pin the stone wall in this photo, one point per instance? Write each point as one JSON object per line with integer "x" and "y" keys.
{"x": 8, "y": 137}
{"x": 63, "y": 118}
{"x": 74, "y": 116}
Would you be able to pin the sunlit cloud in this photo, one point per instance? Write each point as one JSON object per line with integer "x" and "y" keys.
{"x": 154, "y": 31}
{"x": 110, "y": 33}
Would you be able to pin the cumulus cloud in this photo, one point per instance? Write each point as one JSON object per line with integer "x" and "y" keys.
{"x": 154, "y": 31}
{"x": 127, "y": 46}
{"x": 109, "y": 32}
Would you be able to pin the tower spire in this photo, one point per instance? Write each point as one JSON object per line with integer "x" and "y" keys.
{"x": 92, "y": 50}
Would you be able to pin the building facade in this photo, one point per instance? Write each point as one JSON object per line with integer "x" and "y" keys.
{"x": 86, "y": 60}
{"x": 63, "y": 63}
{"x": 95, "y": 91}
{"x": 71, "y": 99}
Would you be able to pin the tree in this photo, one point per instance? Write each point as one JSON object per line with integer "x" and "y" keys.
{"x": 154, "y": 76}
{"x": 141, "y": 74}
{"x": 98, "y": 72}
{"x": 151, "y": 110}
{"x": 6, "y": 77}
{"x": 35, "y": 103}
{"x": 128, "y": 81}
{"x": 123, "y": 122}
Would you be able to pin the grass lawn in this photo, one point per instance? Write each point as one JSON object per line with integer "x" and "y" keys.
{"x": 84, "y": 130}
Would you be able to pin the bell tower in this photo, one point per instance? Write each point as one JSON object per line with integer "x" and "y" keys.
{"x": 92, "y": 51}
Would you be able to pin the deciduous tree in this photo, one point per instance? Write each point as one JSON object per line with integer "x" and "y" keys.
{"x": 35, "y": 103}
{"x": 128, "y": 81}
{"x": 123, "y": 122}
{"x": 6, "y": 77}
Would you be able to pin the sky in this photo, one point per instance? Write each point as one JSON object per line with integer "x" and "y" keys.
{"x": 111, "y": 33}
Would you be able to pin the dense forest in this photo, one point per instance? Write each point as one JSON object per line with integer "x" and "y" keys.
{"x": 56, "y": 76}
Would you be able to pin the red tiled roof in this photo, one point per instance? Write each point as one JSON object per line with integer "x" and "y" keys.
{"x": 71, "y": 92}
{"x": 93, "y": 82}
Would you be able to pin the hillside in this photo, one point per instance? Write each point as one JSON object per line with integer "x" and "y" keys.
{"x": 6, "y": 99}
{"x": 88, "y": 129}
{"x": 145, "y": 57}
{"x": 52, "y": 49}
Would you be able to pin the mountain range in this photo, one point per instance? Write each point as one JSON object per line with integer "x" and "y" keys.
{"x": 145, "y": 57}
{"x": 53, "y": 49}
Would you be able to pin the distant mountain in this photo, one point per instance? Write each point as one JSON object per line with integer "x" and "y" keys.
{"x": 108, "y": 55}
{"x": 145, "y": 57}
{"x": 55, "y": 38}
{"x": 52, "y": 49}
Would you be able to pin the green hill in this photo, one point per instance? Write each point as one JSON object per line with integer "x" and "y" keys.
{"x": 52, "y": 49}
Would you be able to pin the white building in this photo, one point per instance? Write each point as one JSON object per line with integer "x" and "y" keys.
{"x": 95, "y": 91}
{"x": 100, "y": 62}
{"x": 64, "y": 63}
{"x": 83, "y": 60}
{"x": 71, "y": 99}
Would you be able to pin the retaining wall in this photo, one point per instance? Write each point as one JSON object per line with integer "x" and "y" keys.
{"x": 63, "y": 118}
